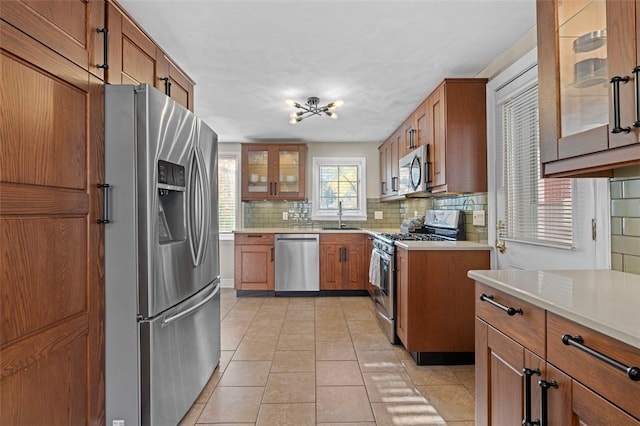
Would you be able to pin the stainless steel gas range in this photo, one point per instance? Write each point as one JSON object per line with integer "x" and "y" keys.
{"x": 439, "y": 225}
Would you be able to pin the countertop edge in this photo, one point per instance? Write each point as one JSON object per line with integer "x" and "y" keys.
{"x": 580, "y": 318}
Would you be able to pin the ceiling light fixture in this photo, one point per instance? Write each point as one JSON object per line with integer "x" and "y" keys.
{"x": 312, "y": 108}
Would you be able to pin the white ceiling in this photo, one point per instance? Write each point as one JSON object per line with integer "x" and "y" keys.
{"x": 381, "y": 57}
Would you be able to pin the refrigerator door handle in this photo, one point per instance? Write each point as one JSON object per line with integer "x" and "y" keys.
{"x": 167, "y": 321}
{"x": 203, "y": 210}
{"x": 190, "y": 208}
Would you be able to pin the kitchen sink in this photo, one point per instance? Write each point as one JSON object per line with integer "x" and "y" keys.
{"x": 344, "y": 228}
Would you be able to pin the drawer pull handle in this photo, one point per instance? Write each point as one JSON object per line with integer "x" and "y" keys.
{"x": 578, "y": 342}
{"x": 509, "y": 310}
{"x": 544, "y": 400}
{"x": 528, "y": 372}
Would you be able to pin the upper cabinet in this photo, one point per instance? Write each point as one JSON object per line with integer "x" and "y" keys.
{"x": 273, "y": 172}
{"x": 588, "y": 57}
{"x": 69, "y": 28}
{"x": 389, "y": 153}
{"x": 133, "y": 58}
{"x": 456, "y": 135}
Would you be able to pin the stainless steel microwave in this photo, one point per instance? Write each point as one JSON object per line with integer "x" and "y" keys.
{"x": 414, "y": 172}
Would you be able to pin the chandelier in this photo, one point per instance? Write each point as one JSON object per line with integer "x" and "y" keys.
{"x": 311, "y": 108}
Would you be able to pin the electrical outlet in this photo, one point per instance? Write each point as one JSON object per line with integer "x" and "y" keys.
{"x": 285, "y": 215}
{"x": 117, "y": 423}
{"x": 478, "y": 218}
{"x": 377, "y": 215}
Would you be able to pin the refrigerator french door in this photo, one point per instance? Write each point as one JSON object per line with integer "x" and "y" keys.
{"x": 162, "y": 322}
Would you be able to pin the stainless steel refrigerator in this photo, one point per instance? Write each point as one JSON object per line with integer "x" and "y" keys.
{"x": 162, "y": 272}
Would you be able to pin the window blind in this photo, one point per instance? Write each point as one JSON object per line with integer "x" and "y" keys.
{"x": 536, "y": 210}
{"x": 227, "y": 192}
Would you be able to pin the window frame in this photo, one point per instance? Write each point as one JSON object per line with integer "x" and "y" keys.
{"x": 239, "y": 210}
{"x": 332, "y": 214}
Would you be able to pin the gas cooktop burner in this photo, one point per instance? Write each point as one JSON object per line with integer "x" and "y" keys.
{"x": 412, "y": 237}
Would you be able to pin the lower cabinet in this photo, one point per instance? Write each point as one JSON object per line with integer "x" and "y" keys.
{"x": 434, "y": 299}
{"x": 342, "y": 262}
{"x": 527, "y": 374}
{"x": 254, "y": 261}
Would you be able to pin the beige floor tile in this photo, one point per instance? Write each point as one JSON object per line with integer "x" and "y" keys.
{"x": 287, "y": 415}
{"x": 467, "y": 378}
{"x": 453, "y": 402}
{"x": 192, "y": 415}
{"x": 289, "y": 388}
{"x": 234, "y": 326}
{"x": 335, "y": 351}
{"x": 225, "y": 357}
{"x": 347, "y": 424}
{"x": 246, "y": 373}
{"x": 459, "y": 423}
{"x": 391, "y": 387}
{"x": 275, "y": 302}
{"x": 338, "y": 373}
{"x": 240, "y": 315}
{"x": 300, "y": 342}
{"x": 233, "y": 405}
{"x": 294, "y": 362}
{"x": 249, "y": 303}
{"x": 371, "y": 342}
{"x": 299, "y": 315}
{"x": 363, "y": 326}
{"x": 333, "y": 335}
{"x": 229, "y": 340}
{"x": 431, "y": 375}
{"x": 379, "y": 361}
{"x": 298, "y": 327}
{"x": 268, "y": 315}
{"x": 342, "y": 404}
{"x": 261, "y": 350}
{"x": 359, "y": 315}
{"x": 301, "y": 303}
{"x": 205, "y": 394}
{"x": 392, "y": 414}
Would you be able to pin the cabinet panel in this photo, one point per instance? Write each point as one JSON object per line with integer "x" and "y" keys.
{"x": 254, "y": 267}
{"x": 608, "y": 381}
{"x": 330, "y": 269}
{"x": 402, "y": 295}
{"x": 355, "y": 278}
{"x": 342, "y": 262}
{"x": 437, "y": 139}
{"x": 273, "y": 172}
{"x": 527, "y": 328}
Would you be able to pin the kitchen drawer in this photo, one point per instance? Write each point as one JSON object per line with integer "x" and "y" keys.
{"x": 526, "y": 327}
{"x": 343, "y": 238}
{"x": 264, "y": 239}
{"x": 610, "y": 382}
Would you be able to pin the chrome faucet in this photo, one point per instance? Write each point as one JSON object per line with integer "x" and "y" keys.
{"x": 339, "y": 214}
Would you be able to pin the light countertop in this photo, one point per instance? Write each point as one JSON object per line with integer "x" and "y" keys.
{"x": 603, "y": 300}
{"x": 441, "y": 245}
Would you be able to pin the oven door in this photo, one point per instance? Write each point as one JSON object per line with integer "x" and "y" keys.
{"x": 385, "y": 296}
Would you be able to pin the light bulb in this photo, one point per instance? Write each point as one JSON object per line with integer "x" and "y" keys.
{"x": 290, "y": 102}
{"x": 338, "y": 103}
{"x": 293, "y": 120}
{"x": 293, "y": 115}
{"x": 333, "y": 115}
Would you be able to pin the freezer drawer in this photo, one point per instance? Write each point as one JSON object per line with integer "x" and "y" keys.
{"x": 182, "y": 349}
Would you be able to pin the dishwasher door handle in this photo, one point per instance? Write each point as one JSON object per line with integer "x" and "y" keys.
{"x": 297, "y": 239}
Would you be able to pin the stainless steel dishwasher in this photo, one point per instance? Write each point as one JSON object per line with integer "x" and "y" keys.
{"x": 297, "y": 262}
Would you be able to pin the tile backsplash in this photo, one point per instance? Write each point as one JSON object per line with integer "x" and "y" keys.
{"x": 625, "y": 224}
{"x": 268, "y": 214}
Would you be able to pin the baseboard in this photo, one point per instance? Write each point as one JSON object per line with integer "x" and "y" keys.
{"x": 226, "y": 282}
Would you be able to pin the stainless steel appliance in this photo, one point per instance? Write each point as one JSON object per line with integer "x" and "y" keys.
{"x": 297, "y": 262}
{"x": 415, "y": 172}
{"x": 162, "y": 326}
{"x": 439, "y": 225}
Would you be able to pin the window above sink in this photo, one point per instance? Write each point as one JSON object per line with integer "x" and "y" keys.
{"x": 337, "y": 180}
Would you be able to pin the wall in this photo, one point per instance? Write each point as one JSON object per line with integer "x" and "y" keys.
{"x": 625, "y": 220}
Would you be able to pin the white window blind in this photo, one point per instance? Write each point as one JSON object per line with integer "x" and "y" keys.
{"x": 227, "y": 192}
{"x": 536, "y": 210}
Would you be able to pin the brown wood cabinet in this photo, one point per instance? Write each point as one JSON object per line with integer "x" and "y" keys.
{"x": 134, "y": 58}
{"x": 51, "y": 159}
{"x": 273, "y": 172}
{"x": 389, "y": 167}
{"x": 457, "y": 136}
{"x": 342, "y": 262}
{"x": 69, "y": 28}
{"x": 254, "y": 261}
{"x": 579, "y": 388}
{"x": 435, "y": 299}
{"x": 580, "y": 131}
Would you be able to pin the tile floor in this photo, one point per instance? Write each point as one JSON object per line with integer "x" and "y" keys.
{"x": 323, "y": 361}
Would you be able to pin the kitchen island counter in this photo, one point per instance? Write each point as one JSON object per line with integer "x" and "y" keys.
{"x": 603, "y": 300}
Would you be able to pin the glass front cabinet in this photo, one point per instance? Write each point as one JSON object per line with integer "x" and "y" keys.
{"x": 273, "y": 172}
{"x": 588, "y": 54}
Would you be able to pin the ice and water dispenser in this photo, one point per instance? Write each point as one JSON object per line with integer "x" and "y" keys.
{"x": 171, "y": 199}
